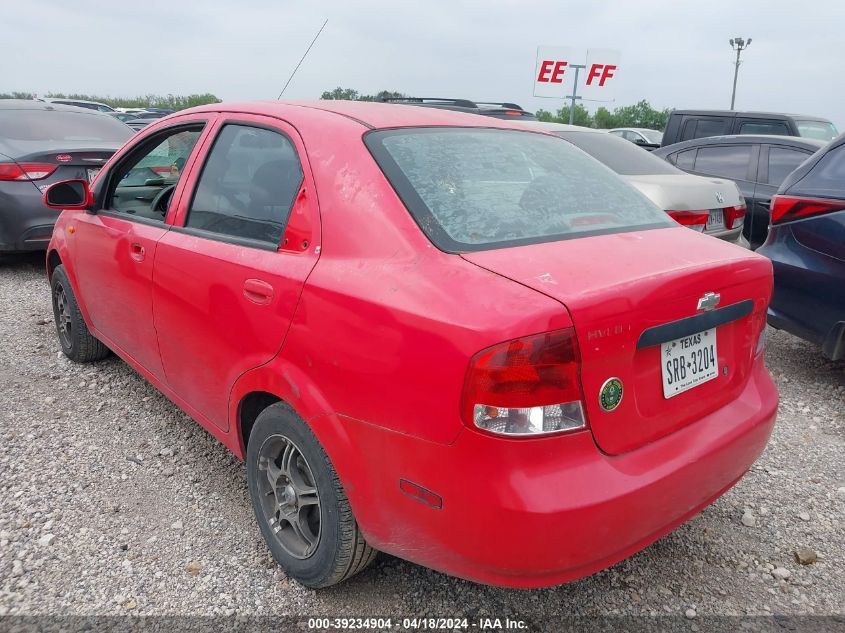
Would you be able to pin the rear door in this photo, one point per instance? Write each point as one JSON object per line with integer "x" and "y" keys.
{"x": 228, "y": 277}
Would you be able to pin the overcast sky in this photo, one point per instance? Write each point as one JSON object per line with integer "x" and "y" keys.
{"x": 675, "y": 54}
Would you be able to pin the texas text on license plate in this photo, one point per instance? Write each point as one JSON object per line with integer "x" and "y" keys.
{"x": 688, "y": 362}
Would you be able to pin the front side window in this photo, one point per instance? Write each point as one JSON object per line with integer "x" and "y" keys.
{"x": 764, "y": 127}
{"x": 730, "y": 161}
{"x": 248, "y": 185}
{"x": 144, "y": 183}
{"x": 475, "y": 189}
{"x": 782, "y": 162}
{"x": 821, "y": 130}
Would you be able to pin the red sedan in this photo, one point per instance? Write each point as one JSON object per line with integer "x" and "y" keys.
{"x": 427, "y": 333}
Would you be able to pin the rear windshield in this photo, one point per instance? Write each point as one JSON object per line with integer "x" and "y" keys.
{"x": 623, "y": 157}
{"x": 475, "y": 189}
{"x": 822, "y": 130}
{"x": 55, "y": 125}
{"x": 653, "y": 136}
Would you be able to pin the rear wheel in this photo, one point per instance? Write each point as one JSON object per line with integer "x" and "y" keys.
{"x": 77, "y": 342}
{"x": 300, "y": 505}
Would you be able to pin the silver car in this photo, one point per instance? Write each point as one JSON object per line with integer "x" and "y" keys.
{"x": 714, "y": 206}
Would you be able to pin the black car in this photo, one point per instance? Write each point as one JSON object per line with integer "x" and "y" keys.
{"x": 807, "y": 249}
{"x": 685, "y": 125}
{"x": 498, "y": 110}
{"x": 756, "y": 163}
{"x": 42, "y": 143}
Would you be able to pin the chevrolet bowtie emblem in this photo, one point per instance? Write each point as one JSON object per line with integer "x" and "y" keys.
{"x": 708, "y": 301}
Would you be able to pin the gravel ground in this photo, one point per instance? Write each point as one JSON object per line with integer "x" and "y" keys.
{"x": 112, "y": 501}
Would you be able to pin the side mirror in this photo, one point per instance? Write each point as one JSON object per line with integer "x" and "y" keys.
{"x": 69, "y": 194}
{"x": 640, "y": 141}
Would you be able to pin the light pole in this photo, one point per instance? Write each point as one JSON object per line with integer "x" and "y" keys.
{"x": 739, "y": 45}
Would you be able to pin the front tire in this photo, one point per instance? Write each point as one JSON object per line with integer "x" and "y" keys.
{"x": 77, "y": 342}
{"x": 300, "y": 505}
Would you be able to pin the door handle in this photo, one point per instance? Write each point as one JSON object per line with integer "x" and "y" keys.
{"x": 137, "y": 252}
{"x": 257, "y": 291}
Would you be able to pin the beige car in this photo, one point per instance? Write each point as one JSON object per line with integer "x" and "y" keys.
{"x": 714, "y": 206}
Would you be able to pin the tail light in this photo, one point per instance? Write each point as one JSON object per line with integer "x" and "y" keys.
{"x": 696, "y": 220}
{"x": 528, "y": 386}
{"x": 734, "y": 216}
{"x": 787, "y": 208}
{"x": 26, "y": 171}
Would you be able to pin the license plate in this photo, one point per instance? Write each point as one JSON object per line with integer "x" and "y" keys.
{"x": 688, "y": 362}
{"x": 94, "y": 172}
{"x": 716, "y": 219}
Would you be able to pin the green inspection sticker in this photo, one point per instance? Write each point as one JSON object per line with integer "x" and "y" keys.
{"x": 610, "y": 394}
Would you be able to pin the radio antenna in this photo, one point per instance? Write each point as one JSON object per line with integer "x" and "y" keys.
{"x": 303, "y": 59}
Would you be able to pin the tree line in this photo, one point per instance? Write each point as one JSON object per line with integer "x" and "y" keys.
{"x": 641, "y": 114}
{"x": 172, "y": 102}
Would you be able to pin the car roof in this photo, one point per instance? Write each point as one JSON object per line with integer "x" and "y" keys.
{"x": 741, "y": 139}
{"x": 635, "y": 129}
{"x": 62, "y": 99}
{"x": 750, "y": 113}
{"x": 373, "y": 115}
{"x": 551, "y": 126}
{"x": 32, "y": 104}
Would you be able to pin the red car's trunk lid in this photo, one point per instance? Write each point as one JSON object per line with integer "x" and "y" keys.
{"x": 618, "y": 286}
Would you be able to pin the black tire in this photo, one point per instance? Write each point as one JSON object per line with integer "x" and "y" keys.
{"x": 77, "y": 342}
{"x": 339, "y": 550}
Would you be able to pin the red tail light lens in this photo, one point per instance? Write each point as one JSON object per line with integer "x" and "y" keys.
{"x": 696, "y": 220}
{"x": 734, "y": 216}
{"x": 26, "y": 171}
{"x": 787, "y": 208}
{"x": 528, "y": 386}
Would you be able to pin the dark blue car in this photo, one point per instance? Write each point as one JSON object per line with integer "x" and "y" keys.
{"x": 806, "y": 244}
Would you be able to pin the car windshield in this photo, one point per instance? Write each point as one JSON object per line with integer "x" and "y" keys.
{"x": 622, "y": 156}
{"x": 653, "y": 136}
{"x": 822, "y": 130}
{"x": 476, "y": 189}
{"x": 55, "y": 125}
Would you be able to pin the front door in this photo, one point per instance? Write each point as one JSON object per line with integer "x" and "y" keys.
{"x": 228, "y": 276}
{"x": 115, "y": 247}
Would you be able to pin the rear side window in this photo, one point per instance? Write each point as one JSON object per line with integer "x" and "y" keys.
{"x": 730, "y": 161}
{"x": 782, "y": 162}
{"x": 247, "y": 186}
{"x": 684, "y": 160}
{"x": 826, "y": 179}
{"x": 764, "y": 127}
{"x": 476, "y": 189}
{"x": 702, "y": 128}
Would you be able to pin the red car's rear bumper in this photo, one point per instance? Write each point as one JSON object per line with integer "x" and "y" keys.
{"x": 531, "y": 513}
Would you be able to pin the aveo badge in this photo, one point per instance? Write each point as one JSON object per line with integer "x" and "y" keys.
{"x": 610, "y": 394}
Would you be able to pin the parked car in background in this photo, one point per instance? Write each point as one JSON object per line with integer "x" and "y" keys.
{"x": 498, "y": 110}
{"x": 649, "y": 139}
{"x": 545, "y": 352}
{"x": 807, "y": 247}
{"x": 42, "y": 143}
{"x": 684, "y": 125}
{"x": 141, "y": 122}
{"x": 123, "y": 116}
{"x": 709, "y": 205}
{"x": 756, "y": 163}
{"x": 80, "y": 103}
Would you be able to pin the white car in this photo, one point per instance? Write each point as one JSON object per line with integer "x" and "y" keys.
{"x": 713, "y": 206}
{"x": 643, "y": 136}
